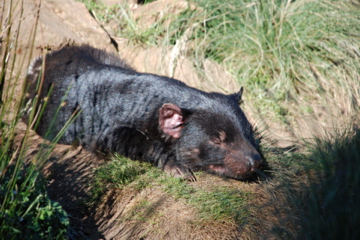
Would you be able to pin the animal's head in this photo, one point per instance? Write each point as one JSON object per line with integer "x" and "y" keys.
{"x": 215, "y": 140}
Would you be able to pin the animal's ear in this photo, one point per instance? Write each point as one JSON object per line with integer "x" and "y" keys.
{"x": 238, "y": 95}
{"x": 171, "y": 119}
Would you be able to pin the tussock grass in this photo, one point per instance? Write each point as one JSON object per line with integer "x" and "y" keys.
{"x": 302, "y": 52}
{"x": 332, "y": 209}
{"x": 313, "y": 193}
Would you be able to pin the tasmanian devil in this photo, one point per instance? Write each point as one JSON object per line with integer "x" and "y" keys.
{"x": 142, "y": 116}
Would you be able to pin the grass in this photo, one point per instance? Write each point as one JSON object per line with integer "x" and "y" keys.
{"x": 26, "y": 212}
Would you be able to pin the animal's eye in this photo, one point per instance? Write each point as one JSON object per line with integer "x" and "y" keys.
{"x": 216, "y": 141}
{"x": 219, "y": 138}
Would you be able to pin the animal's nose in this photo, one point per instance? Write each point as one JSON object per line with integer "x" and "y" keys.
{"x": 254, "y": 161}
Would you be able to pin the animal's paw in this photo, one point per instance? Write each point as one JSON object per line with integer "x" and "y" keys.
{"x": 180, "y": 171}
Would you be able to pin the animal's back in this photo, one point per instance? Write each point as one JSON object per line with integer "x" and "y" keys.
{"x": 142, "y": 116}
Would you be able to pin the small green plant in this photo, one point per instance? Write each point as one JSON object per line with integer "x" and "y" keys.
{"x": 26, "y": 212}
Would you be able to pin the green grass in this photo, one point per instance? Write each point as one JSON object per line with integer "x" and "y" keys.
{"x": 118, "y": 173}
{"x": 287, "y": 48}
{"x": 218, "y": 203}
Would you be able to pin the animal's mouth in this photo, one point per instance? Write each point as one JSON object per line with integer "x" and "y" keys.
{"x": 237, "y": 174}
{"x": 217, "y": 169}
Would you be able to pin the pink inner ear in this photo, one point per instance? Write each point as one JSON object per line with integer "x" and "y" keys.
{"x": 170, "y": 119}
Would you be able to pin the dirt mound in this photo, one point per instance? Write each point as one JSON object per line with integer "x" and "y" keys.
{"x": 132, "y": 213}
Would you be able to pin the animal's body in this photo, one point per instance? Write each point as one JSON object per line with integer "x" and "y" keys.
{"x": 142, "y": 116}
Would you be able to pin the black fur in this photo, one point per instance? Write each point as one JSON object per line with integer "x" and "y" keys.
{"x": 143, "y": 116}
